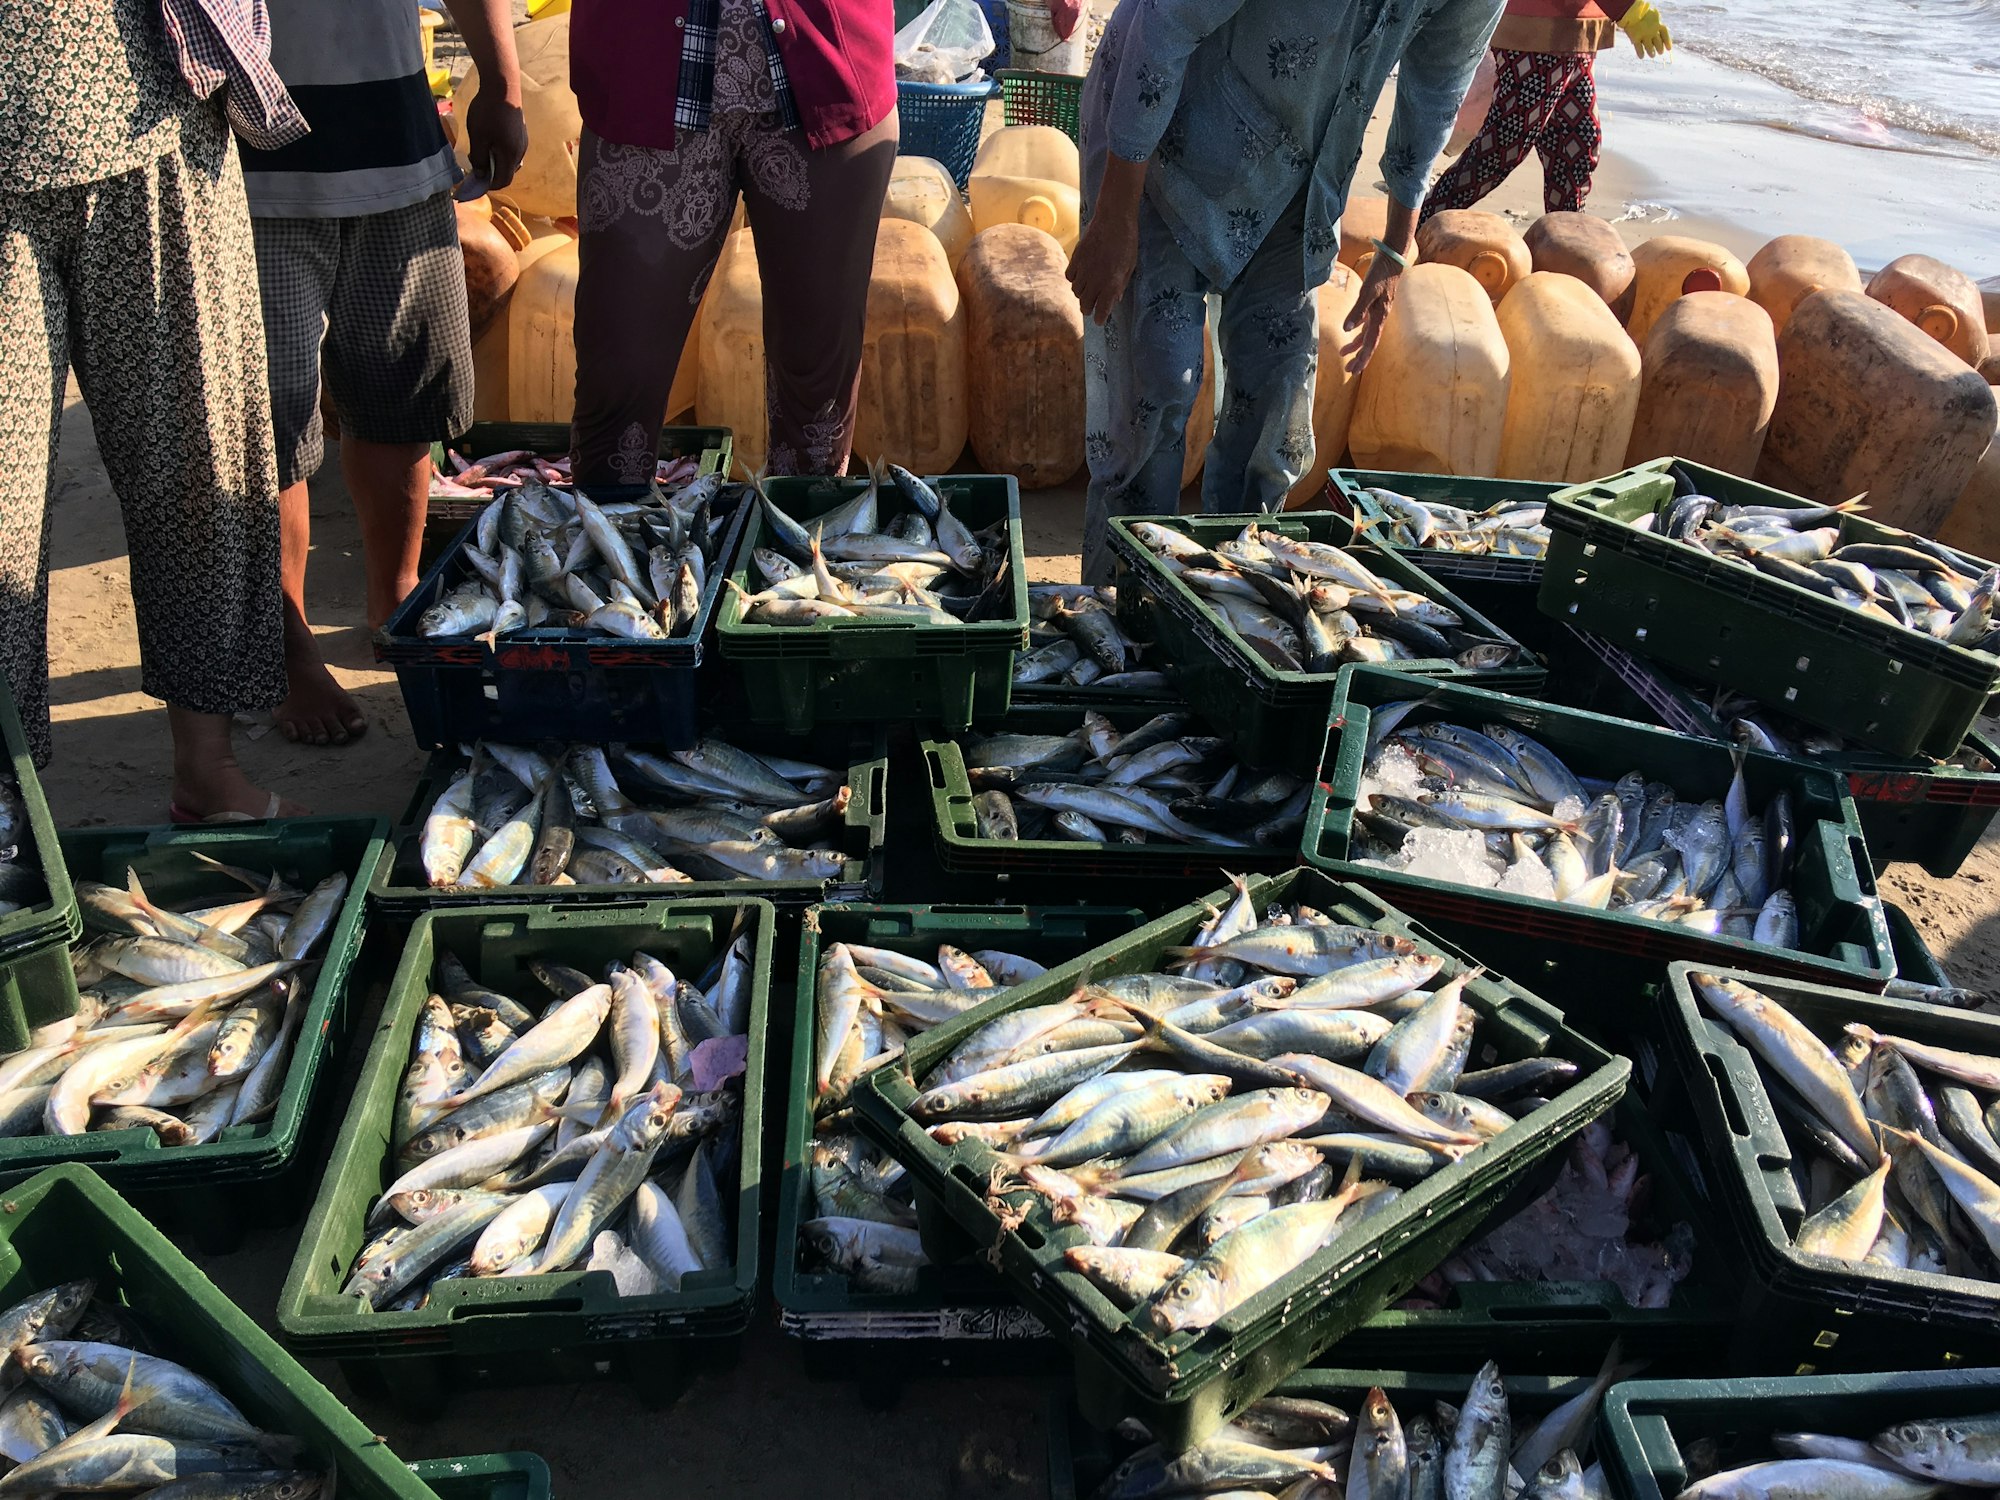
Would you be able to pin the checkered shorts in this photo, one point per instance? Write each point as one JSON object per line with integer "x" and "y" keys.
{"x": 378, "y": 301}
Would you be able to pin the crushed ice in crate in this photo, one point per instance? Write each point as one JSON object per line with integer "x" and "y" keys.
{"x": 1395, "y": 773}
{"x": 1455, "y": 854}
{"x": 1528, "y": 877}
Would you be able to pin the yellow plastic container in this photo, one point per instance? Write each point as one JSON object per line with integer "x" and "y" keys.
{"x": 1483, "y": 243}
{"x": 1941, "y": 300}
{"x": 541, "y": 356}
{"x": 1794, "y": 266}
{"x": 1586, "y": 247}
{"x": 913, "y": 360}
{"x": 1672, "y": 266}
{"x": 1039, "y": 202}
{"x": 1866, "y": 401}
{"x": 1974, "y": 523}
{"x": 1040, "y": 151}
{"x": 1333, "y": 390}
{"x": 1434, "y": 398}
{"x": 1711, "y": 380}
{"x": 729, "y": 390}
{"x": 1024, "y": 356}
{"x": 1574, "y": 386}
{"x": 438, "y": 77}
{"x": 922, "y": 191}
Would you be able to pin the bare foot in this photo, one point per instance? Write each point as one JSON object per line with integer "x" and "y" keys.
{"x": 317, "y": 710}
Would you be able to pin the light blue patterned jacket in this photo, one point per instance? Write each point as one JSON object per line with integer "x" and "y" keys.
{"x": 1240, "y": 103}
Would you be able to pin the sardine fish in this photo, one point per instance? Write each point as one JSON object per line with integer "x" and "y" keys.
{"x": 565, "y": 815}
{"x": 1164, "y": 781}
{"x": 186, "y": 1018}
{"x": 1916, "y": 1458}
{"x": 1894, "y": 1151}
{"x": 553, "y": 559}
{"x": 1495, "y": 808}
{"x": 1307, "y": 606}
{"x": 1212, "y": 1125}
{"x": 461, "y": 478}
{"x": 595, "y": 1125}
{"x": 1506, "y": 528}
{"x": 1075, "y": 640}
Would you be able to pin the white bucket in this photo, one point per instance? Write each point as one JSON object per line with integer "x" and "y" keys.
{"x": 1035, "y": 45}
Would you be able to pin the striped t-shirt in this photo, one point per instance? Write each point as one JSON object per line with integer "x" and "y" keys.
{"x": 356, "y": 68}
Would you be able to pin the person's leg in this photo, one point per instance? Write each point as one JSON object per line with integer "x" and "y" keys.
{"x": 169, "y": 351}
{"x": 652, "y": 224}
{"x": 296, "y": 263}
{"x": 399, "y": 370}
{"x": 1269, "y": 340}
{"x": 1522, "y": 99}
{"x": 1142, "y": 370}
{"x": 815, "y": 254}
{"x": 35, "y": 229}
{"x": 1568, "y": 146}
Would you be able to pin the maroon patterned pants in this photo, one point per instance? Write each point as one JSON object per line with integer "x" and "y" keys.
{"x": 1545, "y": 102}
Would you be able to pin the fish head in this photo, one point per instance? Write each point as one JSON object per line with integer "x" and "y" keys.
{"x": 1560, "y": 1470}
{"x": 1194, "y": 1299}
{"x": 66, "y": 1304}
{"x": 39, "y": 1363}
{"x": 1378, "y": 1415}
{"x": 1925, "y": 1447}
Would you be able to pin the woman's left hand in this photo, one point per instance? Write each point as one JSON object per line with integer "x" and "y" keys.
{"x": 1371, "y": 311}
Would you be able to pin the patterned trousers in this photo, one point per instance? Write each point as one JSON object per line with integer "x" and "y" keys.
{"x": 653, "y": 223}
{"x": 146, "y": 285}
{"x": 1545, "y": 102}
{"x": 1142, "y": 371}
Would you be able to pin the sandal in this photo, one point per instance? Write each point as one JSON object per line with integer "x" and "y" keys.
{"x": 177, "y": 814}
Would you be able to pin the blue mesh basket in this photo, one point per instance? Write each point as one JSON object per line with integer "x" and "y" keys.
{"x": 942, "y": 121}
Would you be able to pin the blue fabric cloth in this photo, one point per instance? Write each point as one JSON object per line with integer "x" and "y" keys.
{"x": 1238, "y": 104}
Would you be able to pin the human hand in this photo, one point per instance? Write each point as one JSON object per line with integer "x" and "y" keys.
{"x": 496, "y": 136}
{"x": 1371, "y": 311}
{"x": 1101, "y": 266}
{"x": 1649, "y": 34}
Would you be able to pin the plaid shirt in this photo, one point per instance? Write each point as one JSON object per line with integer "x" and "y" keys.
{"x": 227, "y": 44}
{"x": 694, "y": 100}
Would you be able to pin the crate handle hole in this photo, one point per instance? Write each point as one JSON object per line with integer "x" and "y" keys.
{"x": 1731, "y": 1106}
{"x": 1792, "y": 693}
{"x": 1804, "y": 663}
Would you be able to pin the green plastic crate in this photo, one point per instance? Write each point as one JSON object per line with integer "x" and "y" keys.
{"x": 1070, "y": 867}
{"x": 1276, "y": 718}
{"x": 526, "y": 1329}
{"x": 1448, "y": 489}
{"x": 400, "y": 888}
{"x": 960, "y": 1320}
{"x": 1648, "y": 1426}
{"x": 37, "y": 985}
{"x": 1914, "y": 960}
{"x": 66, "y": 1223}
{"x": 1030, "y": 98}
{"x": 1080, "y": 1459}
{"x": 1815, "y": 1315}
{"x": 1722, "y": 621}
{"x": 1845, "y": 936}
{"x": 1185, "y": 1387}
{"x": 210, "y": 1191}
{"x": 896, "y": 670}
{"x": 1928, "y": 812}
{"x": 489, "y": 1476}
{"x": 1557, "y": 1325}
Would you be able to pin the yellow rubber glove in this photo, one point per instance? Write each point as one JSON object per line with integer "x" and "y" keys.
{"x": 1649, "y": 33}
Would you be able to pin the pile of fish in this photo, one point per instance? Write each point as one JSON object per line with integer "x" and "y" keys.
{"x": 462, "y": 478}
{"x": 1914, "y": 583}
{"x": 1493, "y": 808}
{"x": 1506, "y": 528}
{"x": 1310, "y": 607}
{"x": 1160, "y": 782}
{"x": 549, "y": 559}
{"x": 1898, "y": 1155}
{"x": 1585, "y": 1228}
{"x": 1303, "y": 1448}
{"x": 21, "y": 883}
{"x": 596, "y": 1126}
{"x": 1915, "y": 1459}
{"x": 185, "y": 1020}
{"x": 892, "y": 552}
{"x": 558, "y": 815}
{"x": 90, "y": 1411}
{"x": 1755, "y": 726}
{"x": 1207, "y": 1127}
{"x": 870, "y": 1001}
{"x": 1074, "y": 640}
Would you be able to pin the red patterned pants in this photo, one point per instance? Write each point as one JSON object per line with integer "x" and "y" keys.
{"x": 1544, "y": 102}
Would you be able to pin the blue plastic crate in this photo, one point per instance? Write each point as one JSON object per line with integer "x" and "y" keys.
{"x": 943, "y": 121}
